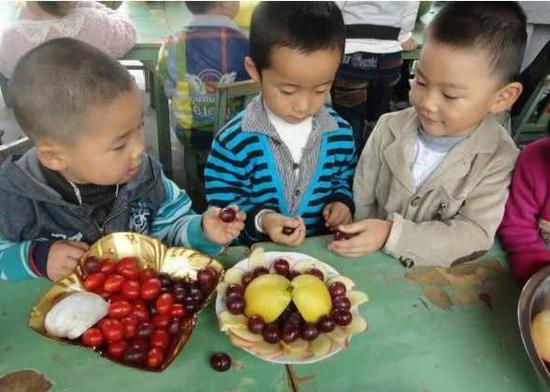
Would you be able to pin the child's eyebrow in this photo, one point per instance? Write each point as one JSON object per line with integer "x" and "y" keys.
{"x": 129, "y": 131}
{"x": 289, "y": 84}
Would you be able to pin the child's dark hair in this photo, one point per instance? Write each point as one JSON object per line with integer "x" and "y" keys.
{"x": 306, "y": 26}
{"x": 55, "y": 84}
{"x": 199, "y": 7}
{"x": 495, "y": 27}
{"x": 56, "y": 8}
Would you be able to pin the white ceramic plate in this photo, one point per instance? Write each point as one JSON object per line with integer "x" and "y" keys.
{"x": 293, "y": 258}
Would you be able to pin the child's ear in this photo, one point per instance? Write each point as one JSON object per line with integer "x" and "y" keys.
{"x": 506, "y": 96}
{"x": 250, "y": 67}
{"x": 51, "y": 156}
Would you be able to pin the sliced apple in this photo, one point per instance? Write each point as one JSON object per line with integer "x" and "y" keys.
{"x": 245, "y": 334}
{"x": 343, "y": 279}
{"x": 220, "y": 288}
{"x": 339, "y": 336}
{"x": 297, "y": 355}
{"x": 297, "y": 345}
{"x": 358, "y": 324}
{"x": 240, "y": 342}
{"x": 231, "y": 321}
{"x": 257, "y": 259}
{"x": 320, "y": 346}
{"x": 356, "y": 297}
{"x": 268, "y": 349}
{"x": 233, "y": 276}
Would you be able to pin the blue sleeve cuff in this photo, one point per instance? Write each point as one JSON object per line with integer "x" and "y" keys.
{"x": 198, "y": 239}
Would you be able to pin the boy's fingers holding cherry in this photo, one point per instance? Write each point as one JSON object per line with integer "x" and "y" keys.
{"x": 222, "y": 225}
{"x": 336, "y": 213}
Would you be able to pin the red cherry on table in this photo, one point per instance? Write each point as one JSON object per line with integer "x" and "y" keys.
{"x": 92, "y": 337}
{"x": 116, "y": 350}
{"x": 227, "y": 214}
{"x": 164, "y": 303}
{"x": 94, "y": 281}
{"x": 150, "y": 289}
{"x": 220, "y": 362}
{"x": 160, "y": 338}
{"x": 154, "y": 357}
{"x": 119, "y": 309}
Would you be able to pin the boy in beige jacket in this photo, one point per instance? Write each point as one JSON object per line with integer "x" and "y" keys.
{"x": 432, "y": 181}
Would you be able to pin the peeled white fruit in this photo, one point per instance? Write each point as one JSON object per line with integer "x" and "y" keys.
{"x": 256, "y": 259}
{"x": 73, "y": 315}
{"x": 356, "y": 297}
{"x": 233, "y": 276}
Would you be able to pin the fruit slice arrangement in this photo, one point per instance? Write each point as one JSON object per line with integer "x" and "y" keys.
{"x": 126, "y": 303}
{"x": 288, "y": 308}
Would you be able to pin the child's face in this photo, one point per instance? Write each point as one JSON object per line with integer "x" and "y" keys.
{"x": 453, "y": 89}
{"x": 111, "y": 149}
{"x": 296, "y": 84}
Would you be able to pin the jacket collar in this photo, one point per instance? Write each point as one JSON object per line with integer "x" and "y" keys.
{"x": 255, "y": 120}
{"x": 205, "y": 20}
{"x": 484, "y": 139}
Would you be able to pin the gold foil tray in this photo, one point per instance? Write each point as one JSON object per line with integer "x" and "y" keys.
{"x": 151, "y": 253}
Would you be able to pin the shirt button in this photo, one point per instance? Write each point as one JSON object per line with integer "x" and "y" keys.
{"x": 297, "y": 192}
{"x": 406, "y": 262}
{"x": 415, "y": 202}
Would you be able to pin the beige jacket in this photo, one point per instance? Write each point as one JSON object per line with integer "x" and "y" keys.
{"x": 457, "y": 209}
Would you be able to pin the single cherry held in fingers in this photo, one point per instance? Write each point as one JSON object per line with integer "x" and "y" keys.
{"x": 227, "y": 215}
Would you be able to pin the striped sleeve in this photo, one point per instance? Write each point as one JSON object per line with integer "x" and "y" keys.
{"x": 16, "y": 260}
{"x": 176, "y": 224}
{"x": 342, "y": 147}
{"x": 225, "y": 175}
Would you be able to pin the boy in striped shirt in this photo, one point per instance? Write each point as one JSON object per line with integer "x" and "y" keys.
{"x": 287, "y": 160}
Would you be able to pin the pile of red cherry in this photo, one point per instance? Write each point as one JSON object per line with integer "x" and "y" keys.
{"x": 290, "y": 325}
{"x": 146, "y": 309}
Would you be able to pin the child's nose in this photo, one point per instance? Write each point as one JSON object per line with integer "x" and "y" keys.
{"x": 302, "y": 105}
{"x": 429, "y": 102}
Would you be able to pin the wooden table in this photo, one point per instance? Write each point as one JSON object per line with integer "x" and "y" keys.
{"x": 412, "y": 344}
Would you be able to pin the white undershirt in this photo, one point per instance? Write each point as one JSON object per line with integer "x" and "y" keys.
{"x": 429, "y": 151}
{"x": 293, "y": 135}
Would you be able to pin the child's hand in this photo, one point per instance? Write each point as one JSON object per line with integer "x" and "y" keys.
{"x": 409, "y": 45}
{"x": 371, "y": 235}
{"x": 273, "y": 224}
{"x": 219, "y": 231}
{"x": 63, "y": 257}
{"x": 336, "y": 214}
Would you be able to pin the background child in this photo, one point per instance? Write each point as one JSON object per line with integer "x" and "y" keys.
{"x": 88, "y": 21}
{"x": 88, "y": 175}
{"x": 376, "y": 32}
{"x": 432, "y": 182}
{"x": 286, "y": 160}
{"x": 192, "y": 62}
{"x": 525, "y": 229}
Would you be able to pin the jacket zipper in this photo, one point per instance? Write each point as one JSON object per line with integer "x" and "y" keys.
{"x": 109, "y": 218}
